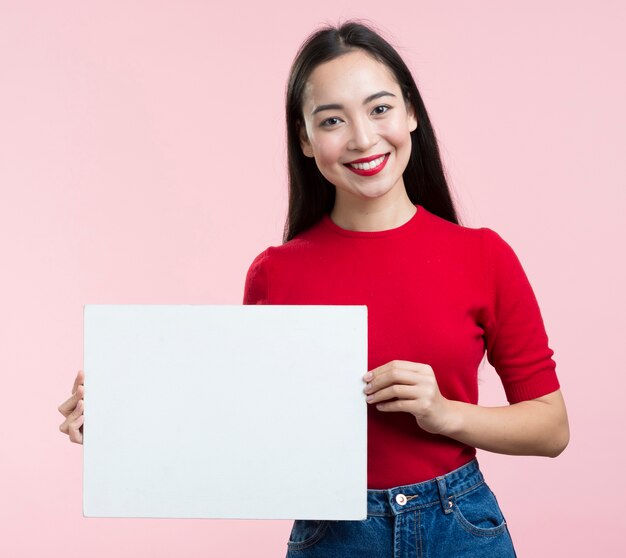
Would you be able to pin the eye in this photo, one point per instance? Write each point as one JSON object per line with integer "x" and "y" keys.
{"x": 328, "y": 123}
{"x": 385, "y": 107}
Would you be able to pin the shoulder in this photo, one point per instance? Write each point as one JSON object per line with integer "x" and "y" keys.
{"x": 454, "y": 236}
{"x": 257, "y": 280}
{"x": 480, "y": 249}
{"x": 483, "y": 237}
{"x": 498, "y": 251}
{"x": 301, "y": 247}
{"x": 273, "y": 262}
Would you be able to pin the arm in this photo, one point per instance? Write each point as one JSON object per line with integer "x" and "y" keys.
{"x": 535, "y": 427}
{"x": 517, "y": 347}
{"x": 531, "y": 427}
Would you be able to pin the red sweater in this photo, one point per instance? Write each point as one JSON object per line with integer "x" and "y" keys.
{"x": 437, "y": 293}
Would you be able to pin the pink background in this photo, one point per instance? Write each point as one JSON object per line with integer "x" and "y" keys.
{"x": 142, "y": 160}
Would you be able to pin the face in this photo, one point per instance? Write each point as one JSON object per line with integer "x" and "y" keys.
{"x": 357, "y": 126}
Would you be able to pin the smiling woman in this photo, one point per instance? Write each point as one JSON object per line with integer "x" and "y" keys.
{"x": 350, "y": 133}
{"x": 385, "y": 90}
{"x": 371, "y": 221}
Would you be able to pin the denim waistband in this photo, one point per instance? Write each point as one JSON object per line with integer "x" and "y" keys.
{"x": 440, "y": 490}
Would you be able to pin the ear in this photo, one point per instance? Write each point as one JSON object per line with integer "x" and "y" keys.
{"x": 305, "y": 144}
{"x": 412, "y": 118}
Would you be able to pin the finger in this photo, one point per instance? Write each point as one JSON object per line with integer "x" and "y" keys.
{"x": 76, "y": 412}
{"x": 75, "y": 430}
{"x": 397, "y": 390}
{"x": 80, "y": 379}
{"x": 402, "y": 377}
{"x": 401, "y": 405}
{"x": 69, "y": 405}
{"x": 395, "y": 365}
{"x": 378, "y": 370}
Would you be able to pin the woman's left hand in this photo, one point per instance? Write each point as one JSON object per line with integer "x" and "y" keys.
{"x": 415, "y": 387}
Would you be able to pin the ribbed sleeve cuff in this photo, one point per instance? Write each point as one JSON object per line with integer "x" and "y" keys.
{"x": 537, "y": 386}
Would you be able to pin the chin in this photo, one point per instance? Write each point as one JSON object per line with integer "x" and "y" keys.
{"x": 374, "y": 194}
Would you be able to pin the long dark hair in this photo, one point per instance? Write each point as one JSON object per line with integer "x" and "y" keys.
{"x": 311, "y": 195}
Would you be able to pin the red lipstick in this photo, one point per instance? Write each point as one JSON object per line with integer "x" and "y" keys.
{"x": 368, "y": 172}
{"x": 366, "y": 159}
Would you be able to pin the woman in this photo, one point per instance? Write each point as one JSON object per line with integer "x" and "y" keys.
{"x": 371, "y": 221}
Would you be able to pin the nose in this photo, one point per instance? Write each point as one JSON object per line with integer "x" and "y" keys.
{"x": 363, "y": 135}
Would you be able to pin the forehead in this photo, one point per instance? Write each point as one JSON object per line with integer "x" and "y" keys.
{"x": 350, "y": 77}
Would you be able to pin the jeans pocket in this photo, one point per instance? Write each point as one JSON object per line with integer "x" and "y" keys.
{"x": 478, "y": 512}
{"x": 306, "y": 532}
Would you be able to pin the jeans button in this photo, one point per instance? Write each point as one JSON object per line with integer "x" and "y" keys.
{"x": 401, "y": 499}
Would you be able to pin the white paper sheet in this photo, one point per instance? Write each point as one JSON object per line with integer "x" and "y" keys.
{"x": 225, "y": 411}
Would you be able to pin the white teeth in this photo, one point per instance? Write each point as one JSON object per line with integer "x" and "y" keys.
{"x": 369, "y": 165}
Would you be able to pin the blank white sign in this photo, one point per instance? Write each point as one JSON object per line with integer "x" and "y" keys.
{"x": 225, "y": 411}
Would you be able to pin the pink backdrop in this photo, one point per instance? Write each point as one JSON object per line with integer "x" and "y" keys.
{"x": 142, "y": 160}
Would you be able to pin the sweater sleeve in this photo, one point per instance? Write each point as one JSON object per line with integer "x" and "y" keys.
{"x": 514, "y": 332}
{"x": 256, "y": 289}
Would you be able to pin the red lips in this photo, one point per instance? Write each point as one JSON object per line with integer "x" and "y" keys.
{"x": 366, "y": 159}
{"x": 368, "y": 172}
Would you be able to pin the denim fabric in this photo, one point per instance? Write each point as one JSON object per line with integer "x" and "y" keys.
{"x": 454, "y": 515}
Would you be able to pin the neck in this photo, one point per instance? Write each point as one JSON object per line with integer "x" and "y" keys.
{"x": 369, "y": 215}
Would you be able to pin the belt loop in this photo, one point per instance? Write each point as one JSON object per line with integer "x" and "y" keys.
{"x": 446, "y": 503}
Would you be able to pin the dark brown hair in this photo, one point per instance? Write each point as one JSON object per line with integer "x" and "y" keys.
{"x": 310, "y": 194}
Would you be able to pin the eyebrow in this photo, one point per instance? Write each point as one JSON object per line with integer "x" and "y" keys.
{"x": 335, "y": 106}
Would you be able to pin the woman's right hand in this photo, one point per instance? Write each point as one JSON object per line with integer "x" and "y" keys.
{"x": 73, "y": 409}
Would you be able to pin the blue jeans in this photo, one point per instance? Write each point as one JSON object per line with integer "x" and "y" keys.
{"x": 454, "y": 515}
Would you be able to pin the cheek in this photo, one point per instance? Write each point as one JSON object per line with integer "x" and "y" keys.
{"x": 399, "y": 134}
{"x": 327, "y": 152}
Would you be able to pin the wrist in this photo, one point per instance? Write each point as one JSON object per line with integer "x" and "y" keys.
{"x": 454, "y": 418}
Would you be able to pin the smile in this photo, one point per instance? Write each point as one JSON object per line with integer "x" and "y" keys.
{"x": 369, "y": 168}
